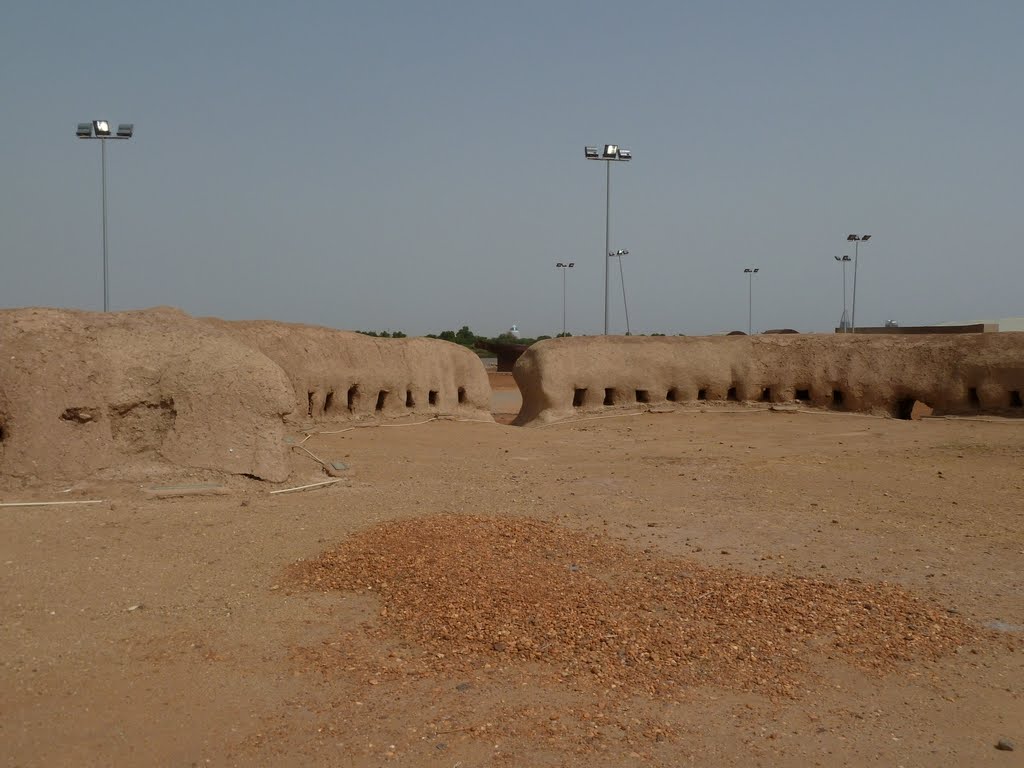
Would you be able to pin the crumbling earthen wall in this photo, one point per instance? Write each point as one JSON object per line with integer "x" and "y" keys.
{"x": 953, "y": 374}
{"x": 341, "y": 375}
{"x": 82, "y": 392}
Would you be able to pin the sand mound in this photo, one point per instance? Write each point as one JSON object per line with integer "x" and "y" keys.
{"x": 468, "y": 589}
{"x": 84, "y": 391}
{"x": 969, "y": 373}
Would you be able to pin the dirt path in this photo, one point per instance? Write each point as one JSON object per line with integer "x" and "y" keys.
{"x": 168, "y": 631}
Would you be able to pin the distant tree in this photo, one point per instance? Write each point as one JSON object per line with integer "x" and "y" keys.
{"x": 563, "y": 335}
{"x": 398, "y": 335}
{"x": 541, "y": 338}
{"x": 447, "y": 335}
{"x": 465, "y": 336}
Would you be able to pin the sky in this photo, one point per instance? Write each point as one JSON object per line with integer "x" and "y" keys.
{"x": 420, "y": 166}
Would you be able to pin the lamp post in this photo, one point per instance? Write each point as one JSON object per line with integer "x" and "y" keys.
{"x": 100, "y": 129}
{"x": 565, "y": 268}
{"x": 750, "y": 272}
{"x": 856, "y": 240}
{"x": 611, "y": 153}
{"x": 622, "y": 280}
{"x": 844, "y": 321}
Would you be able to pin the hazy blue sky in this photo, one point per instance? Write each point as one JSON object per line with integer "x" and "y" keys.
{"x": 419, "y": 165}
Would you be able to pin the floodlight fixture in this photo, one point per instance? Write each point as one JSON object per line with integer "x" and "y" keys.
{"x": 609, "y": 153}
{"x": 750, "y": 272}
{"x": 565, "y": 268}
{"x": 620, "y": 252}
{"x": 100, "y": 129}
{"x": 856, "y": 240}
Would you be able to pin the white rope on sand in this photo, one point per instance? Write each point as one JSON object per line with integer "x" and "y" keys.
{"x": 311, "y": 485}
{"x": 49, "y": 503}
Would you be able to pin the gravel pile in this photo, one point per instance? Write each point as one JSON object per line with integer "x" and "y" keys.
{"x": 470, "y": 590}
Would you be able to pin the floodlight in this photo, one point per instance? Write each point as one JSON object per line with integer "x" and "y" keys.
{"x": 611, "y": 151}
{"x": 124, "y": 130}
{"x": 101, "y": 127}
{"x": 591, "y": 153}
{"x": 757, "y": 269}
{"x": 572, "y": 263}
{"x": 865, "y": 238}
{"x": 852, "y": 237}
{"x": 84, "y": 130}
{"x": 625, "y": 154}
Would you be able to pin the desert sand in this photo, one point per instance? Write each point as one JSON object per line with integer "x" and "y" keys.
{"x": 880, "y": 558}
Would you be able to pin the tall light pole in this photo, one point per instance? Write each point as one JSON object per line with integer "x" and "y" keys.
{"x": 100, "y": 129}
{"x": 565, "y": 268}
{"x": 856, "y": 240}
{"x": 844, "y": 321}
{"x": 622, "y": 280}
{"x": 611, "y": 153}
{"x": 750, "y": 272}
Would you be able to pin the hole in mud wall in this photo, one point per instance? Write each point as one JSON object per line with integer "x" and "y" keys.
{"x": 609, "y": 396}
{"x": 329, "y": 401}
{"x": 462, "y": 395}
{"x": 1015, "y": 402}
{"x": 837, "y": 398}
{"x": 579, "y": 397}
{"x": 803, "y": 395}
{"x": 766, "y": 395}
{"x": 642, "y": 396}
{"x": 702, "y": 394}
{"x": 672, "y": 395}
{"x": 353, "y": 397}
{"x": 432, "y": 397}
{"x": 731, "y": 394}
{"x": 904, "y": 407}
{"x": 309, "y": 403}
{"x": 382, "y": 397}
{"x": 410, "y": 401}
{"x": 972, "y": 397}
{"x": 3, "y": 432}
{"x": 141, "y": 426}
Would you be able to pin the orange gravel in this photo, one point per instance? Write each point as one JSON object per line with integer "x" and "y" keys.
{"x": 467, "y": 590}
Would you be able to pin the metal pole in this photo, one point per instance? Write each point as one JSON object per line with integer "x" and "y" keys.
{"x": 750, "y": 303}
{"x": 564, "y": 270}
{"x": 846, "y": 324}
{"x": 853, "y": 318}
{"x": 607, "y": 236}
{"x": 625, "y": 306}
{"x": 103, "y": 163}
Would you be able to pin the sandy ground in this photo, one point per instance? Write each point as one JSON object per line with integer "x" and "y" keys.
{"x": 148, "y": 631}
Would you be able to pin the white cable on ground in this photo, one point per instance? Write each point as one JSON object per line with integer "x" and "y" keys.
{"x": 315, "y": 457}
{"x": 311, "y": 485}
{"x": 592, "y": 418}
{"x": 48, "y": 503}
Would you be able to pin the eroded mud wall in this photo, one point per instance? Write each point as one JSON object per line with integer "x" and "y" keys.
{"x": 341, "y": 375}
{"x": 976, "y": 373}
{"x": 83, "y": 391}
